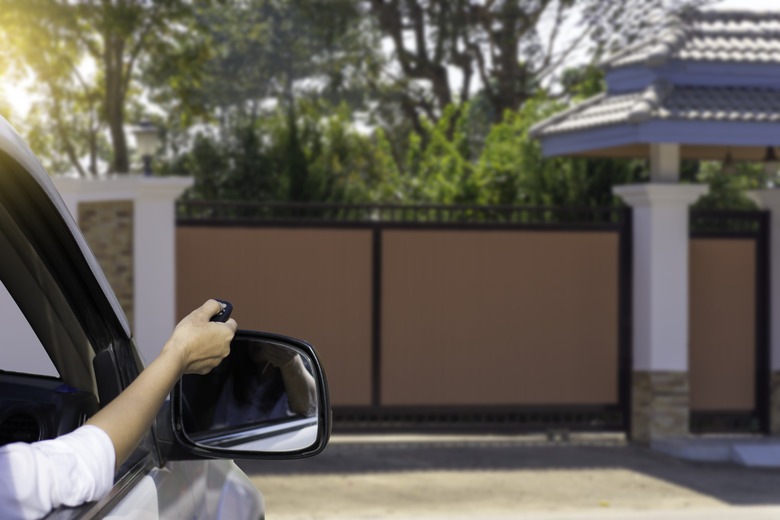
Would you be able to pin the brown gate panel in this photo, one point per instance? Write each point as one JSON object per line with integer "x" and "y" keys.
{"x": 308, "y": 283}
{"x": 722, "y": 324}
{"x": 499, "y": 318}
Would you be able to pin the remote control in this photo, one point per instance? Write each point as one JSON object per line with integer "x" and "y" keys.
{"x": 224, "y": 314}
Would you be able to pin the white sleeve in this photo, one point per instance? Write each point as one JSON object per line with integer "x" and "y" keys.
{"x": 69, "y": 470}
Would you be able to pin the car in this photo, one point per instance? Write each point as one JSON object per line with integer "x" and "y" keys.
{"x": 72, "y": 323}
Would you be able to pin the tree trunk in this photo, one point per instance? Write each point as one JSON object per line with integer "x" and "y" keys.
{"x": 115, "y": 103}
{"x": 508, "y": 71}
{"x": 93, "y": 169}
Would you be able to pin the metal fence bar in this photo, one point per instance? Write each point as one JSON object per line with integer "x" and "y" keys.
{"x": 392, "y": 213}
{"x": 702, "y": 222}
{"x": 732, "y": 223}
{"x": 751, "y": 225}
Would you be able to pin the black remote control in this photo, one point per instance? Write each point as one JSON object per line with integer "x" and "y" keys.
{"x": 224, "y": 314}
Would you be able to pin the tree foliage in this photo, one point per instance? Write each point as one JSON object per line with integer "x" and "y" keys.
{"x": 504, "y": 49}
{"x": 59, "y": 41}
{"x": 310, "y": 154}
{"x": 404, "y": 101}
{"x": 727, "y": 188}
{"x": 263, "y": 53}
{"x": 508, "y": 168}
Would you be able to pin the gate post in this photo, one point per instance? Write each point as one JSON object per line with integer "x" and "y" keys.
{"x": 770, "y": 200}
{"x": 660, "y": 386}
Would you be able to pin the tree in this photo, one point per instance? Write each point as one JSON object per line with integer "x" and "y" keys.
{"x": 438, "y": 170}
{"x": 268, "y": 58}
{"x": 311, "y": 154}
{"x": 727, "y": 189}
{"x": 58, "y": 40}
{"x": 506, "y": 168}
{"x": 506, "y": 49}
{"x": 263, "y": 53}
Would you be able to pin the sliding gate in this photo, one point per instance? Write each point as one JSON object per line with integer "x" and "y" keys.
{"x": 432, "y": 317}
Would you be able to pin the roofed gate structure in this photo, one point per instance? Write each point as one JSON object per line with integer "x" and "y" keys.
{"x": 706, "y": 86}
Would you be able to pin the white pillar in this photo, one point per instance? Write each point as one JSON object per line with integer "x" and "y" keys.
{"x": 660, "y": 307}
{"x": 154, "y": 260}
{"x": 770, "y": 200}
{"x": 664, "y": 162}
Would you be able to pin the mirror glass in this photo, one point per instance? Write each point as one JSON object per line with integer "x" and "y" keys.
{"x": 262, "y": 397}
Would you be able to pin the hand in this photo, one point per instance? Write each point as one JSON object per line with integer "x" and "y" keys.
{"x": 196, "y": 346}
{"x": 201, "y": 344}
{"x": 277, "y": 356}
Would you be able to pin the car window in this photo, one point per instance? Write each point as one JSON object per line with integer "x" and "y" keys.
{"x": 29, "y": 278}
{"x": 21, "y": 348}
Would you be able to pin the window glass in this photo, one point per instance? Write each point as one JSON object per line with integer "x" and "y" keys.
{"x": 21, "y": 348}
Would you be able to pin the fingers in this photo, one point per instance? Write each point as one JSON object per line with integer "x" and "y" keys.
{"x": 232, "y": 324}
{"x": 208, "y": 309}
{"x": 213, "y": 340}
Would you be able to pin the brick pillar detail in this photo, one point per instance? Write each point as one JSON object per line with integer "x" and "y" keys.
{"x": 774, "y": 404}
{"x": 108, "y": 229}
{"x": 660, "y": 405}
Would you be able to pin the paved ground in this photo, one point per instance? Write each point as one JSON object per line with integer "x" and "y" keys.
{"x": 509, "y": 477}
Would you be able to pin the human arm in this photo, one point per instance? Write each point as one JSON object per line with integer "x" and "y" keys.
{"x": 195, "y": 347}
{"x": 299, "y": 383}
{"x": 301, "y": 389}
{"x": 79, "y": 467}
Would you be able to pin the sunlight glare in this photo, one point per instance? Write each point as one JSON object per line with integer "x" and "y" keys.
{"x": 16, "y": 98}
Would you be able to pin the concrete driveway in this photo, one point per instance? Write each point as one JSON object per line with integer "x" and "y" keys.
{"x": 509, "y": 477}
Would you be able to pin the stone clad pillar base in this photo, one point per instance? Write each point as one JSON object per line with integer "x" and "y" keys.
{"x": 659, "y": 405}
{"x": 774, "y": 403}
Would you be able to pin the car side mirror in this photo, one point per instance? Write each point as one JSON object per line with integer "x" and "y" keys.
{"x": 267, "y": 399}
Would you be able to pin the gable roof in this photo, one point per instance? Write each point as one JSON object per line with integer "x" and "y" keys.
{"x": 662, "y": 101}
{"x": 707, "y": 80}
{"x": 733, "y": 36}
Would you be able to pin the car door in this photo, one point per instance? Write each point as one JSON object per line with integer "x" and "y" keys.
{"x": 61, "y": 318}
{"x": 67, "y": 347}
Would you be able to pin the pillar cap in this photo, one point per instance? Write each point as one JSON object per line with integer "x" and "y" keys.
{"x": 660, "y": 195}
{"x": 122, "y": 187}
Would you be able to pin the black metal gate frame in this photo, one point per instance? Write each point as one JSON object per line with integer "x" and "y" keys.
{"x": 380, "y": 218}
{"x": 750, "y": 225}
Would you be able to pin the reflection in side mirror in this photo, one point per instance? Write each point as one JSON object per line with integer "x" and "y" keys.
{"x": 268, "y": 396}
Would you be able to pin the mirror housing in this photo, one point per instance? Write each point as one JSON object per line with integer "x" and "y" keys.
{"x": 267, "y": 400}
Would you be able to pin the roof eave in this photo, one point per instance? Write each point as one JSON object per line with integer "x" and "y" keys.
{"x": 699, "y": 132}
